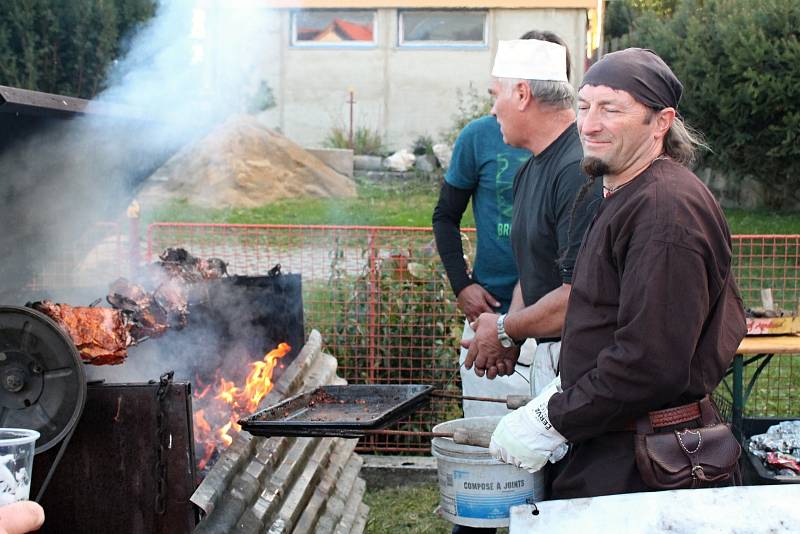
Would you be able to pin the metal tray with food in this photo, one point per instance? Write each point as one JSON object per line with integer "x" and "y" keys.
{"x": 338, "y": 411}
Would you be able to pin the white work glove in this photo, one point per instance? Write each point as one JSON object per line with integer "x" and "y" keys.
{"x": 526, "y": 438}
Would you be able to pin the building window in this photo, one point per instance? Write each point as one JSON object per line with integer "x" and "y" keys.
{"x": 322, "y": 27}
{"x": 442, "y": 28}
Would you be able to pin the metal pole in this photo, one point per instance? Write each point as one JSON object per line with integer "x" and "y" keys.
{"x": 600, "y": 15}
{"x": 374, "y": 280}
{"x": 351, "y": 100}
{"x": 738, "y": 395}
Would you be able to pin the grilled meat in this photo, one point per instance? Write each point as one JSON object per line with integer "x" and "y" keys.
{"x": 149, "y": 318}
{"x": 212, "y": 268}
{"x": 102, "y": 335}
{"x": 171, "y": 297}
{"x": 177, "y": 263}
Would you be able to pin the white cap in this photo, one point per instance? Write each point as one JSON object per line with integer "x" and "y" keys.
{"x": 530, "y": 59}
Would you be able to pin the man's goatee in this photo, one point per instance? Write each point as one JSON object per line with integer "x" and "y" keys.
{"x": 594, "y": 167}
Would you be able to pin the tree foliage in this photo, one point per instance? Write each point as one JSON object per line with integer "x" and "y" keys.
{"x": 66, "y": 47}
{"x": 620, "y": 14}
{"x": 738, "y": 61}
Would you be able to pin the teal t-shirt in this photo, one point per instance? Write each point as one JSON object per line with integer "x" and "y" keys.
{"x": 485, "y": 165}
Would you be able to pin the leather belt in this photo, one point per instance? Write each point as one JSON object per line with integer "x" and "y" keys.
{"x": 671, "y": 416}
{"x": 675, "y": 416}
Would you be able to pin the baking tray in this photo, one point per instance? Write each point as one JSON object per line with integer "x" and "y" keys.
{"x": 338, "y": 411}
{"x": 768, "y": 475}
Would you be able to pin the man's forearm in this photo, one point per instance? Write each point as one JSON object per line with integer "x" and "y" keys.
{"x": 447, "y": 232}
{"x": 544, "y": 318}
{"x": 517, "y": 303}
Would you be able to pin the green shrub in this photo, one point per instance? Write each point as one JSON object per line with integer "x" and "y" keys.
{"x": 472, "y": 104}
{"x": 423, "y": 145}
{"x": 414, "y": 301}
{"x": 365, "y": 141}
{"x": 262, "y": 99}
{"x": 415, "y": 329}
{"x": 738, "y": 61}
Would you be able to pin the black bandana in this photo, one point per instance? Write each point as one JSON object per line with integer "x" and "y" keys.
{"x": 639, "y": 72}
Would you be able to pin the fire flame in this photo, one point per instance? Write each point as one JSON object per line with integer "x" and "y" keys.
{"x": 229, "y": 402}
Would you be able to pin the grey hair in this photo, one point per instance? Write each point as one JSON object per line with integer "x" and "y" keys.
{"x": 682, "y": 142}
{"x": 557, "y": 95}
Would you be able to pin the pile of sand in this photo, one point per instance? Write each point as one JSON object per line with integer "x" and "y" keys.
{"x": 243, "y": 164}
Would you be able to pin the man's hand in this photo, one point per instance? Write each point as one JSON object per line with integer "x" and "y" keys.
{"x": 474, "y": 300}
{"x": 20, "y": 517}
{"x": 485, "y": 352}
{"x": 526, "y": 438}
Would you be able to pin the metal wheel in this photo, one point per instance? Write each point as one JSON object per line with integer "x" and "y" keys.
{"x": 42, "y": 381}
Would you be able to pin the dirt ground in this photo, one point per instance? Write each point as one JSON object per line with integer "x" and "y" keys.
{"x": 243, "y": 164}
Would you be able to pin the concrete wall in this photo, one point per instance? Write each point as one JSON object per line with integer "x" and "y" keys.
{"x": 401, "y": 92}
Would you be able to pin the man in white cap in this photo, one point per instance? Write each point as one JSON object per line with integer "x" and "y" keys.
{"x": 482, "y": 171}
{"x": 534, "y": 104}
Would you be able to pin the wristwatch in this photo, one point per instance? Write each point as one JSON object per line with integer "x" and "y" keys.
{"x": 505, "y": 340}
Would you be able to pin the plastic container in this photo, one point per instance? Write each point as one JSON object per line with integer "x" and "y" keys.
{"x": 475, "y": 489}
{"x": 16, "y": 463}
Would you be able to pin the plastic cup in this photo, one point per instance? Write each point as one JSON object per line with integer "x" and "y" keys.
{"x": 16, "y": 463}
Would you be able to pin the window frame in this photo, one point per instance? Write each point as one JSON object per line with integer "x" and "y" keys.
{"x": 349, "y": 45}
{"x": 475, "y": 45}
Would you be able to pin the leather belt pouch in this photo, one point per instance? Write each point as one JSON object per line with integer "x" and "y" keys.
{"x": 705, "y": 456}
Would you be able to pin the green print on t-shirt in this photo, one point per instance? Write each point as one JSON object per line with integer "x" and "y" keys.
{"x": 504, "y": 191}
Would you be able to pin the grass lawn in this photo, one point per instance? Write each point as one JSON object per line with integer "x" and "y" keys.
{"x": 407, "y": 511}
{"x": 377, "y": 204}
{"x": 403, "y": 204}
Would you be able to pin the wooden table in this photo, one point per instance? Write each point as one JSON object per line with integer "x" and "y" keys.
{"x": 757, "y": 349}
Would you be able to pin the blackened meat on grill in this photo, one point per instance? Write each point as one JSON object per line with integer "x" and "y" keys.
{"x": 212, "y": 268}
{"x": 102, "y": 335}
{"x": 171, "y": 297}
{"x": 148, "y": 317}
{"x": 178, "y": 263}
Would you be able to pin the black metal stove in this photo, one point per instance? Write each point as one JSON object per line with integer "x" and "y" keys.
{"x": 119, "y": 457}
{"x": 128, "y": 447}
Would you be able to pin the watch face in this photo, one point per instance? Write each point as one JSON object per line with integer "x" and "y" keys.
{"x": 505, "y": 341}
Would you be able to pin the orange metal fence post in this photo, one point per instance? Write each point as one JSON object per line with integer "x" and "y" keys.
{"x": 373, "y": 291}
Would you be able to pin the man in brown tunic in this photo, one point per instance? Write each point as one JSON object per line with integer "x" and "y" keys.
{"x": 654, "y": 317}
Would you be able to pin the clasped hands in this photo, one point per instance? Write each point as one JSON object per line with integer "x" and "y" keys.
{"x": 485, "y": 352}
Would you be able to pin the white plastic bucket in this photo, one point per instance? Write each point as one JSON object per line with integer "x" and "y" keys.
{"x": 475, "y": 489}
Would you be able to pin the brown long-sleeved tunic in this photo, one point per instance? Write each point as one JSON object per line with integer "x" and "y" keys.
{"x": 654, "y": 320}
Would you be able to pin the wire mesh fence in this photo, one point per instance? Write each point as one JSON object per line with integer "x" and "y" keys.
{"x": 378, "y": 296}
{"x": 383, "y": 305}
{"x": 100, "y": 253}
{"x": 771, "y": 262}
